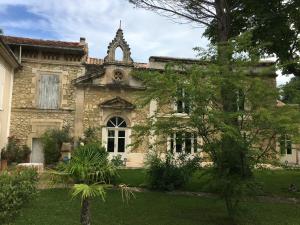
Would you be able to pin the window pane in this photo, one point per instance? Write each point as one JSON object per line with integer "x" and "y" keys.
{"x": 188, "y": 142}
{"x": 172, "y": 143}
{"x": 195, "y": 143}
{"x": 114, "y": 121}
{"x": 288, "y": 147}
{"x": 110, "y": 144}
{"x": 110, "y": 124}
{"x": 111, "y": 133}
{"x": 121, "y": 122}
{"x": 178, "y": 142}
{"x": 179, "y": 106}
{"x": 122, "y": 133}
{"x": 121, "y": 145}
{"x": 282, "y": 146}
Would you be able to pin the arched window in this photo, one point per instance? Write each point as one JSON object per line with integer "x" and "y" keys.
{"x": 116, "y": 135}
{"x": 119, "y": 54}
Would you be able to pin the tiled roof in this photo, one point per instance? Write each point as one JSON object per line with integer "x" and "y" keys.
{"x": 141, "y": 65}
{"x": 94, "y": 61}
{"x": 97, "y": 61}
{"x": 40, "y": 42}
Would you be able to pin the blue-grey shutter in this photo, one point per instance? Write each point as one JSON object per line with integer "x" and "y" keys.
{"x": 49, "y": 92}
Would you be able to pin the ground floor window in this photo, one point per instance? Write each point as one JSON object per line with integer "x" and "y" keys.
{"x": 116, "y": 135}
{"x": 183, "y": 142}
{"x": 285, "y": 145}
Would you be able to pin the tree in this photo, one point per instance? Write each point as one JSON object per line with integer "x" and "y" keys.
{"x": 1, "y": 31}
{"x": 235, "y": 140}
{"x": 275, "y": 26}
{"x": 291, "y": 91}
{"x": 90, "y": 171}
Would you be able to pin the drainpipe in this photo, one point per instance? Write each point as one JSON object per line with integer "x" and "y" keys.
{"x": 20, "y": 54}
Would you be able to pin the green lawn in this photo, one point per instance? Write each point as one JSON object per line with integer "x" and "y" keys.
{"x": 273, "y": 182}
{"x": 54, "y": 207}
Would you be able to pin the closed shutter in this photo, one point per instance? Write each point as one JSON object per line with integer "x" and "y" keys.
{"x": 49, "y": 92}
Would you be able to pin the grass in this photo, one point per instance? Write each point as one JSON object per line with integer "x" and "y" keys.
{"x": 54, "y": 206}
{"x": 273, "y": 182}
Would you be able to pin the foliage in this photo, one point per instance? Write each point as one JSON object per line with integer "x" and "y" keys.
{"x": 171, "y": 172}
{"x": 291, "y": 91}
{"x": 17, "y": 188}
{"x": 14, "y": 152}
{"x": 91, "y": 172}
{"x": 91, "y": 134}
{"x": 52, "y": 141}
{"x": 233, "y": 110}
{"x": 117, "y": 160}
{"x": 261, "y": 17}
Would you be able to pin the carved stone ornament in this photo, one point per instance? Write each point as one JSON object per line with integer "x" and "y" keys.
{"x": 117, "y": 103}
{"x": 118, "y": 41}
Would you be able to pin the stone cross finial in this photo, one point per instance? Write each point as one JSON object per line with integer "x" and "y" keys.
{"x": 120, "y": 24}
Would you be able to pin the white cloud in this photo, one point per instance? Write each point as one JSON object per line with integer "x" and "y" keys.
{"x": 97, "y": 20}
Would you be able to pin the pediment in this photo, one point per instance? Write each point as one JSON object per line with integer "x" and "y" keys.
{"x": 117, "y": 103}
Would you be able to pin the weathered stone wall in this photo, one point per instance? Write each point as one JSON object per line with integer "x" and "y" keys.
{"x": 95, "y": 116}
{"x": 25, "y": 113}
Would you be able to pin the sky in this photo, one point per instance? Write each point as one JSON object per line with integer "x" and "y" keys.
{"x": 147, "y": 33}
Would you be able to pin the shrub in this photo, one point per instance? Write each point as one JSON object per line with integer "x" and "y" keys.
{"x": 17, "y": 188}
{"x": 14, "y": 152}
{"x": 171, "y": 172}
{"x": 117, "y": 161}
{"x": 52, "y": 141}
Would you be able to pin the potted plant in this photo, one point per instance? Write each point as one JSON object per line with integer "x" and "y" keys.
{"x": 3, "y": 159}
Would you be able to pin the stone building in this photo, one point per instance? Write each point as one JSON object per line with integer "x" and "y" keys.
{"x": 59, "y": 85}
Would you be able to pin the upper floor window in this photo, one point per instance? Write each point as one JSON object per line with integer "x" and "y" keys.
{"x": 183, "y": 142}
{"x": 48, "y": 92}
{"x": 182, "y": 102}
{"x": 285, "y": 145}
{"x": 240, "y": 101}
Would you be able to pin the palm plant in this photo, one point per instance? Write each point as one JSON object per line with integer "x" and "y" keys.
{"x": 90, "y": 172}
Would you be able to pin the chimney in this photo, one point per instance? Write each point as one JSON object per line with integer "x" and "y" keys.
{"x": 82, "y": 40}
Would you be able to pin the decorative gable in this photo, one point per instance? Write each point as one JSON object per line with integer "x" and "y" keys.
{"x": 117, "y": 103}
{"x": 118, "y": 41}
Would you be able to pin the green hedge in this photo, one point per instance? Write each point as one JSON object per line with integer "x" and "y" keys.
{"x": 17, "y": 187}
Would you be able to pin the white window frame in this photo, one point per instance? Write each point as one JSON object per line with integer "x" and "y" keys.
{"x": 286, "y": 141}
{"x": 183, "y": 106}
{"x": 183, "y": 149}
{"x": 116, "y": 137}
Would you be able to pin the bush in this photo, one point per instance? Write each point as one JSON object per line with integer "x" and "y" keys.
{"x": 14, "y": 152}
{"x": 52, "y": 141}
{"x": 17, "y": 188}
{"x": 117, "y": 161}
{"x": 171, "y": 172}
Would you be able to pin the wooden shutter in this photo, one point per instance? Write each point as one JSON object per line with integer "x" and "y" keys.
{"x": 49, "y": 92}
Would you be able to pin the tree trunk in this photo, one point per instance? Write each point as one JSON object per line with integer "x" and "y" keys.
{"x": 85, "y": 217}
